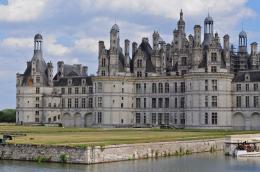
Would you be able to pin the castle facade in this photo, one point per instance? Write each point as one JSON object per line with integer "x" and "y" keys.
{"x": 188, "y": 83}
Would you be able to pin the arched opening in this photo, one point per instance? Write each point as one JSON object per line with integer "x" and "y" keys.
{"x": 77, "y": 120}
{"x": 66, "y": 120}
{"x": 255, "y": 121}
{"x": 88, "y": 119}
{"x": 238, "y": 121}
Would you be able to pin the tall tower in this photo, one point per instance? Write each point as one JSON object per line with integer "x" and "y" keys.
{"x": 127, "y": 56}
{"x": 114, "y": 49}
{"x": 156, "y": 38}
{"x": 242, "y": 42}
{"x": 181, "y": 23}
{"x": 208, "y": 30}
{"x": 226, "y": 47}
{"x": 253, "y": 57}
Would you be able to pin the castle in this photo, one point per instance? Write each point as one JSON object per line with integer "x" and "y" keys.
{"x": 188, "y": 83}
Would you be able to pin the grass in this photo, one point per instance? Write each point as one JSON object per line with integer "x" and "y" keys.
{"x": 83, "y": 137}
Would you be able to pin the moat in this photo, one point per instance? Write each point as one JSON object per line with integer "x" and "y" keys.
{"x": 203, "y": 162}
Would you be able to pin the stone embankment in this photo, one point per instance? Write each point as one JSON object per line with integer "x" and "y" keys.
{"x": 99, "y": 154}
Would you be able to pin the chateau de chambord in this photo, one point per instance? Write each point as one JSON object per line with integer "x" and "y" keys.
{"x": 188, "y": 83}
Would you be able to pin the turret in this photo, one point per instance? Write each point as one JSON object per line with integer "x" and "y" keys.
{"x": 127, "y": 60}
{"x": 134, "y": 48}
{"x": 50, "y": 73}
{"x": 253, "y": 49}
{"x": 101, "y": 47}
{"x": 156, "y": 38}
{"x": 197, "y": 35}
{"x": 114, "y": 49}
{"x": 60, "y": 66}
{"x": 181, "y": 23}
{"x": 242, "y": 42}
{"x": 208, "y": 30}
{"x": 226, "y": 42}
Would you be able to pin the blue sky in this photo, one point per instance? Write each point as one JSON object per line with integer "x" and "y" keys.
{"x": 72, "y": 28}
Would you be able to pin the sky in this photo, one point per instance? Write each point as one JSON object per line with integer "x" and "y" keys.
{"x": 71, "y": 29}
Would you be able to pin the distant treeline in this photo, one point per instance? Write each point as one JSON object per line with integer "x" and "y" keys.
{"x": 7, "y": 115}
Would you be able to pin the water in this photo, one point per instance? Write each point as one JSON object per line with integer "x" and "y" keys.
{"x": 204, "y": 162}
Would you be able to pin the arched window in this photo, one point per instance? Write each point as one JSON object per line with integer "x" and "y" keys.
{"x": 103, "y": 62}
{"x": 139, "y": 63}
{"x": 167, "y": 88}
{"x": 160, "y": 88}
{"x": 103, "y": 73}
{"x": 154, "y": 88}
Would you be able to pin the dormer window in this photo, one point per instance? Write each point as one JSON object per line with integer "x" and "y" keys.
{"x": 83, "y": 81}
{"x": 69, "y": 81}
{"x": 247, "y": 77}
{"x": 213, "y": 57}
{"x": 139, "y": 63}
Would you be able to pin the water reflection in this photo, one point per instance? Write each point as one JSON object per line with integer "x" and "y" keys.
{"x": 205, "y": 162}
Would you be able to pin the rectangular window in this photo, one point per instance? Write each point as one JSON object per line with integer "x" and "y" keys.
{"x": 166, "y": 118}
{"x": 144, "y": 87}
{"x": 160, "y": 103}
{"x": 62, "y": 90}
{"x": 206, "y": 101}
{"x": 206, "y": 118}
{"x": 256, "y": 101}
{"x": 182, "y": 102}
{"x": 166, "y": 102}
{"x": 69, "y": 90}
{"x": 37, "y": 98}
{"x": 99, "y": 102}
{"x": 255, "y": 87}
{"x": 166, "y": 88}
{"x": 213, "y": 69}
{"x": 154, "y": 88}
{"x": 238, "y": 87}
{"x": 76, "y": 103}
{"x": 206, "y": 85}
{"x": 160, "y": 88}
{"x": 37, "y": 90}
{"x": 247, "y": 87}
{"x": 214, "y": 118}
{"x": 214, "y": 102}
{"x": 247, "y": 101}
{"x": 90, "y": 90}
{"x": 76, "y": 90}
{"x": 144, "y": 102}
{"x": 99, "y": 120}
{"x": 37, "y": 113}
{"x": 37, "y": 105}
{"x": 153, "y": 118}
{"x": 138, "y": 88}
{"x": 153, "y": 102}
{"x": 83, "y": 90}
{"x": 137, "y": 118}
{"x": 214, "y": 85}
{"x": 138, "y": 103}
{"x": 99, "y": 87}
{"x": 176, "y": 87}
{"x": 69, "y": 103}
{"x": 213, "y": 57}
{"x": 62, "y": 102}
{"x": 83, "y": 103}
{"x": 176, "y": 102}
{"x": 90, "y": 102}
{"x": 182, "y": 87}
{"x": 159, "y": 118}
{"x": 239, "y": 102}
{"x": 182, "y": 117}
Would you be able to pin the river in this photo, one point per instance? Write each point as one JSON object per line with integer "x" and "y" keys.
{"x": 203, "y": 162}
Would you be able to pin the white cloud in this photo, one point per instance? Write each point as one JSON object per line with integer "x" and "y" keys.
{"x": 17, "y": 42}
{"x": 53, "y": 48}
{"x": 169, "y": 8}
{"x": 22, "y": 10}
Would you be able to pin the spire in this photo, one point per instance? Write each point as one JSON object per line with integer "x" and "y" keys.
{"x": 181, "y": 15}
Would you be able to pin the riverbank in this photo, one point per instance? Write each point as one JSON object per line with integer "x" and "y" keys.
{"x": 102, "y": 154}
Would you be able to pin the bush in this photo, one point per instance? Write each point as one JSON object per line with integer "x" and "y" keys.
{"x": 8, "y": 115}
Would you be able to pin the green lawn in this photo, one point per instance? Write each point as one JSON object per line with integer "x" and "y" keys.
{"x": 94, "y": 136}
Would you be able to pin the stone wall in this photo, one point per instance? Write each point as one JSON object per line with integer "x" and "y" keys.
{"x": 112, "y": 153}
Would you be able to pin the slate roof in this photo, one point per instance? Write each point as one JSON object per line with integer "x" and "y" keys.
{"x": 76, "y": 81}
{"x": 254, "y": 76}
